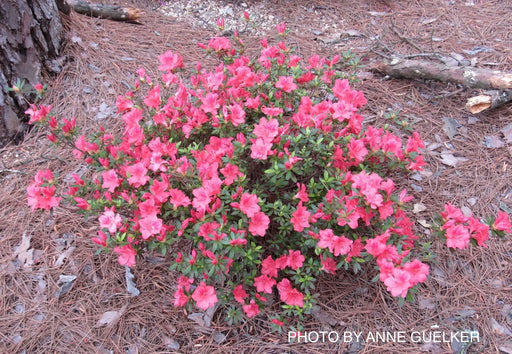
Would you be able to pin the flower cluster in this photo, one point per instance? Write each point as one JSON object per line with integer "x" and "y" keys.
{"x": 256, "y": 175}
{"x": 459, "y": 229}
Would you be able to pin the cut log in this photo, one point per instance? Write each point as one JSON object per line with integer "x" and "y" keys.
{"x": 488, "y": 100}
{"x": 111, "y": 12}
{"x": 466, "y": 76}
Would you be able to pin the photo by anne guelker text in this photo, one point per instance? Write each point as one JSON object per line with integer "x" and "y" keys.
{"x": 426, "y": 336}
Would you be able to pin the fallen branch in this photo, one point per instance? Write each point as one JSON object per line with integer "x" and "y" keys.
{"x": 466, "y": 76}
{"x": 111, "y": 12}
{"x": 488, "y": 100}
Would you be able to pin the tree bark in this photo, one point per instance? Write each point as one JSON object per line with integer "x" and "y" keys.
{"x": 31, "y": 35}
{"x": 466, "y": 76}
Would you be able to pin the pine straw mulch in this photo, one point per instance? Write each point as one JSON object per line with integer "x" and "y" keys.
{"x": 467, "y": 290}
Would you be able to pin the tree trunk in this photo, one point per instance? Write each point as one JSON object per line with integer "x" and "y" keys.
{"x": 31, "y": 34}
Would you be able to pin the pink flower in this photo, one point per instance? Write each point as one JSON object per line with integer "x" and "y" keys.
{"x": 260, "y": 148}
{"x": 123, "y": 103}
{"x": 328, "y": 265}
{"x": 457, "y": 236}
{"x": 38, "y": 115}
{"x": 178, "y": 198}
{"x": 399, "y": 283}
{"x": 137, "y": 174}
{"x": 286, "y": 84}
{"x": 259, "y": 224}
{"x": 149, "y": 226}
{"x": 502, "y": 222}
{"x": 110, "y": 180}
{"x": 264, "y": 284}
{"x": 357, "y": 150}
{"x": 240, "y": 294}
{"x": 180, "y": 298}
{"x": 277, "y": 322}
{"x": 126, "y": 255}
{"x": 268, "y": 267}
{"x": 110, "y": 220}
{"x": 302, "y": 194}
{"x": 219, "y": 43}
{"x": 266, "y": 129}
{"x": 153, "y": 97}
{"x": 101, "y": 239}
{"x": 290, "y": 295}
{"x": 300, "y": 218}
{"x": 170, "y": 61}
{"x": 417, "y": 270}
{"x": 210, "y": 103}
{"x": 249, "y": 204}
{"x": 478, "y": 231}
{"x": 82, "y": 203}
{"x": 204, "y": 296}
{"x": 42, "y": 197}
{"x": 295, "y": 259}
{"x": 231, "y": 173}
{"x": 376, "y": 246}
{"x": 38, "y": 87}
{"x": 220, "y": 23}
{"x": 201, "y": 199}
{"x": 237, "y": 115}
{"x": 252, "y": 309}
{"x": 281, "y": 28}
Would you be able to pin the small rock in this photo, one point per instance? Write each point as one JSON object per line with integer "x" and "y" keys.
{"x": 19, "y": 308}
{"x": 439, "y": 276}
{"x": 323, "y": 317}
{"x": 218, "y": 337}
{"x": 506, "y": 348}
{"x": 197, "y": 318}
{"x": 500, "y": 329}
{"x": 496, "y": 283}
{"x": 426, "y": 303}
{"x": 466, "y": 211}
{"x": 416, "y": 188}
{"x": 493, "y": 142}
{"x": 507, "y": 313}
{"x": 473, "y": 120}
{"x": 417, "y": 177}
{"x": 418, "y": 208}
{"x": 171, "y": 343}
{"x": 431, "y": 347}
{"x": 472, "y": 201}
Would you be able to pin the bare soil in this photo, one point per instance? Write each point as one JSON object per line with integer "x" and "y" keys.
{"x": 467, "y": 290}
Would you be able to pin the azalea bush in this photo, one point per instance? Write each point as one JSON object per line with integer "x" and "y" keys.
{"x": 256, "y": 177}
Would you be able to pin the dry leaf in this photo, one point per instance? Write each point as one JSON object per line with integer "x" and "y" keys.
{"x": 450, "y": 160}
{"x": 130, "y": 284}
{"x": 426, "y": 303}
{"x": 171, "y": 343}
{"x": 323, "y": 317}
{"x": 493, "y": 142}
{"x": 110, "y": 318}
{"x": 500, "y": 329}
{"x": 424, "y": 223}
{"x": 418, "y": 208}
{"x": 507, "y": 133}
{"x": 506, "y": 348}
{"x": 64, "y": 256}
{"x": 24, "y": 254}
{"x": 450, "y": 127}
